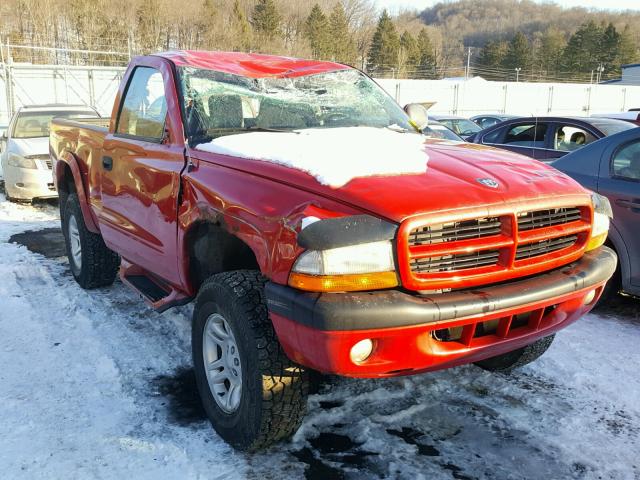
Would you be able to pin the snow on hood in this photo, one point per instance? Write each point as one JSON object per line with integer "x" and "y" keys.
{"x": 334, "y": 156}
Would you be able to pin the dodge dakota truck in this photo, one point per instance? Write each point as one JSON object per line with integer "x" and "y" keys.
{"x": 317, "y": 230}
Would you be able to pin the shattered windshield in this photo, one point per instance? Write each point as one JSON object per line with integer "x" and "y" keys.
{"x": 218, "y": 104}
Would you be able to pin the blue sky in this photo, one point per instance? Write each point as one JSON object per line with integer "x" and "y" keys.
{"x": 393, "y": 5}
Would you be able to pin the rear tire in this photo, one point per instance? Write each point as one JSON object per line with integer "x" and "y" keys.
{"x": 253, "y": 394}
{"x": 92, "y": 264}
{"x": 509, "y": 361}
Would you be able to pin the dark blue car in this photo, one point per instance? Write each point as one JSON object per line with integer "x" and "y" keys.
{"x": 611, "y": 167}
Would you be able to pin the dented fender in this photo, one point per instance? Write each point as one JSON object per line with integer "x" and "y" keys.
{"x": 68, "y": 159}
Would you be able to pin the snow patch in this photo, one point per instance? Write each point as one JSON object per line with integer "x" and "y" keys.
{"x": 334, "y": 156}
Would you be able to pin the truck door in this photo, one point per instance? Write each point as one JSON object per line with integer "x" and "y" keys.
{"x": 143, "y": 157}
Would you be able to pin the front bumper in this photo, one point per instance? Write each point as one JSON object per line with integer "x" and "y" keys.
{"x": 27, "y": 184}
{"x": 318, "y": 330}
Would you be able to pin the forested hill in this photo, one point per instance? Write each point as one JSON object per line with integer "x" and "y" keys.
{"x": 476, "y": 22}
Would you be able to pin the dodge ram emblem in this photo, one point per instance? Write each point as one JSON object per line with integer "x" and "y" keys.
{"x": 488, "y": 182}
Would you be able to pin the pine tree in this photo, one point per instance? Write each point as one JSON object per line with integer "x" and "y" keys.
{"x": 242, "y": 28}
{"x": 549, "y": 55}
{"x": 408, "y": 56}
{"x": 609, "y": 49}
{"x": 342, "y": 46}
{"x": 383, "y": 54}
{"x": 491, "y": 58}
{"x": 582, "y": 53}
{"x": 426, "y": 58}
{"x": 627, "y": 49}
{"x": 266, "y": 19}
{"x": 316, "y": 30}
{"x": 518, "y": 54}
{"x": 207, "y": 23}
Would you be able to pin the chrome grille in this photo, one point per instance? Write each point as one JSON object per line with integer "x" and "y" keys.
{"x": 547, "y": 218}
{"x": 545, "y": 246}
{"x": 448, "y": 263}
{"x": 454, "y": 231}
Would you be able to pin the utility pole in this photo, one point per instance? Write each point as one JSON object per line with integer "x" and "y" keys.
{"x": 467, "y": 72}
{"x": 517, "y": 69}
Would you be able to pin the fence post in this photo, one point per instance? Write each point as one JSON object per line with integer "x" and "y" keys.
{"x": 550, "y": 101}
{"x": 66, "y": 85}
{"x": 504, "y": 102}
{"x": 11, "y": 104}
{"x": 456, "y": 99}
{"x": 588, "y": 101}
{"x": 92, "y": 93}
{"x": 624, "y": 99}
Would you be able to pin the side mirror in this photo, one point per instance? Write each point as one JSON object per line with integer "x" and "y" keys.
{"x": 418, "y": 115}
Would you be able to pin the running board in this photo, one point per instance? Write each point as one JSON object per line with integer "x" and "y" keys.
{"x": 158, "y": 294}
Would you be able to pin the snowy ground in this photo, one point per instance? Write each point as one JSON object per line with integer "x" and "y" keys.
{"x": 96, "y": 385}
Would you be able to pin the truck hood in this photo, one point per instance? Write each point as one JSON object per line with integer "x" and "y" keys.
{"x": 454, "y": 176}
{"x": 458, "y": 176}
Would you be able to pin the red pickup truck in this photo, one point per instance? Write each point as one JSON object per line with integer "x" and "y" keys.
{"x": 318, "y": 230}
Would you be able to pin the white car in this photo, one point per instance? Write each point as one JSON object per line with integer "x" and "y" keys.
{"x": 26, "y": 166}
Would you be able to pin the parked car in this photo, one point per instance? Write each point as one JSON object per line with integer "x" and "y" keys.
{"x": 490, "y": 119}
{"x": 548, "y": 138}
{"x": 26, "y": 166}
{"x": 611, "y": 167}
{"x": 632, "y": 116}
{"x": 436, "y": 129}
{"x": 317, "y": 229}
{"x": 459, "y": 125}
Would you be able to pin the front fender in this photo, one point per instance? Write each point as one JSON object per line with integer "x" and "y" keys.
{"x": 68, "y": 161}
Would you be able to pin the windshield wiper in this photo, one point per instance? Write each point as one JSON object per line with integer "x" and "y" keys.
{"x": 269, "y": 129}
{"x": 399, "y": 129}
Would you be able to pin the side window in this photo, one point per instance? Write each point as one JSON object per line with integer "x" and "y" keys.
{"x": 493, "y": 137}
{"x": 527, "y": 135}
{"x": 626, "y": 162}
{"x": 144, "y": 108}
{"x": 569, "y": 138}
{"x": 486, "y": 122}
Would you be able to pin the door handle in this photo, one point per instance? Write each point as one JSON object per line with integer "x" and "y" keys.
{"x": 107, "y": 163}
{"x": 632, "y": 204}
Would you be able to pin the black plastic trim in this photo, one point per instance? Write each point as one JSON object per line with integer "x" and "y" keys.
{"x": 393, "y": 308}
{"x": 345, "y": 231}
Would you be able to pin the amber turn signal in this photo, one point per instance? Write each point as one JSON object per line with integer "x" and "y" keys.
{"x": 597, "y": 241}
{"x": 343, "y": 283}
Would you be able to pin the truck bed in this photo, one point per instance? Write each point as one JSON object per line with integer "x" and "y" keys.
{"x": 82, "y": 138}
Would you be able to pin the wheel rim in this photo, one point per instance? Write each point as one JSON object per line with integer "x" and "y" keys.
{"x": 222, "y": 363}
{"x": 74, "y": 242}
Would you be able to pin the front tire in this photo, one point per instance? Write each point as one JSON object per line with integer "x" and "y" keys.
{"x": 509, "y": 361}
{"x": 253, "y": 394}
{"x": 92, "y": 264}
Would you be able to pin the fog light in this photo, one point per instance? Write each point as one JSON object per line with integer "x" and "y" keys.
{"x": 588, "y": 298}
{"x": 361, "y": 350}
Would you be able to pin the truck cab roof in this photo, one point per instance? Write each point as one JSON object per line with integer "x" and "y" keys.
{"x": 251, "y": 65}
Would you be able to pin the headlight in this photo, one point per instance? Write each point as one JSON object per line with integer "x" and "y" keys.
{"x": 601, "y": 214}
{"x": 18, "y": 161}
{"x": 368, "y": 266}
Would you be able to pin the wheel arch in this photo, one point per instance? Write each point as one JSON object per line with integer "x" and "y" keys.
{"x": 209, "y": 248}
{"x": 616, "y": 242}
{"x": 69, "y": 180}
